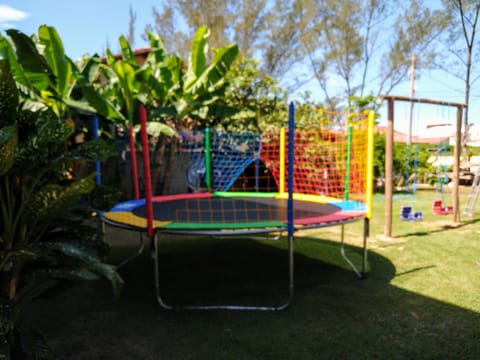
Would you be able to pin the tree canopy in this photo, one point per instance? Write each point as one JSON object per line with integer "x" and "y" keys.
{"x": 351, "y": 48}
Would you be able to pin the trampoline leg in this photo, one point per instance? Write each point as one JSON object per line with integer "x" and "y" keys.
{"x": 138, "y": 253}
{"x": 166, "y": 306}
{"x": 162, "y": 303}
{"x": 344, "y": 255}
{"x": 291, "y": 275}
{"x": 366, "y": 234}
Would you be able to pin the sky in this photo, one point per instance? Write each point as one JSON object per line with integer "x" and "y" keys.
{"x": 90, "y": 26}
{"x": 85, "y": 26}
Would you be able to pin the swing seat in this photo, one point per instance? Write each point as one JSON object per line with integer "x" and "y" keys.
{"x": 407, "y": 214}
{"x": 438, "y": 208}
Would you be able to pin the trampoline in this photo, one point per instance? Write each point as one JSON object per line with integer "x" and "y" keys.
{"x": 321, "y": 183}
{"x": 217, "y": 213}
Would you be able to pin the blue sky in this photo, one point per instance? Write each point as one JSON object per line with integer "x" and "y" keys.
{"x": 88, "y": 27}
{"x": 85, "y": 26}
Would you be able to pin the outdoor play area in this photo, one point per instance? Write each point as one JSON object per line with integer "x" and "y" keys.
{"x": 148, "y": 213}
{"x": 417, "y": 296}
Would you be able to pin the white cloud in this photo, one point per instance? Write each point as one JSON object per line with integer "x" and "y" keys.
{"x": 8, "y": 15}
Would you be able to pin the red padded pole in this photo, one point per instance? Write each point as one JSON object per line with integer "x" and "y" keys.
{"x": 146, "y": 170}
{"x": 133, "y": 154}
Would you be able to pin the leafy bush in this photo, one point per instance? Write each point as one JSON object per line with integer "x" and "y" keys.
{"x": 43, "y": 233}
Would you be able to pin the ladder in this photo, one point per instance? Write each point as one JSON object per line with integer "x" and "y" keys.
{"x": 472, "y": 197}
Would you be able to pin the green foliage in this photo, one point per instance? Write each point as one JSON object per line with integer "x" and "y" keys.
{"x": 364, "y": 45}
{"x": 362, "y": 103}
{"x": 8, "y": 94}
{"x": 408, "y": 161}
{"x": 43, "y": 238}
{"x": 47, "y": 78}
{"x": 8, "y": 145}
{"x": 270, "y": 30}
{"x": 259, "y": 100}
{"x": 460, "y": 42}
{"x": 173, "y": 93}
{"x": 379, "y": 156}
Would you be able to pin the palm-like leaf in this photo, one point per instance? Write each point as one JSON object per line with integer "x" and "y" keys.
{"x": 58, "y": 62}
{"x": 34, "y": 66}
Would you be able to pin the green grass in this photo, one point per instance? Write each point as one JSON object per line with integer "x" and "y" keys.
{"x": 421, "y": 299}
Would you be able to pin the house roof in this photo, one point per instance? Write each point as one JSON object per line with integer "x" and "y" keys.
{"x": 402, "y": 137}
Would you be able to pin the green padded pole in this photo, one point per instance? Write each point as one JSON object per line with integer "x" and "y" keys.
{"x": 348, "y": 162}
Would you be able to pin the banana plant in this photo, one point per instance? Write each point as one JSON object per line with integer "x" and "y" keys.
{"x": 170, "y": 88}
{"x": 203, "y": 84}
{"x": 128, "y": 84}
{"x": 48, "y": 78}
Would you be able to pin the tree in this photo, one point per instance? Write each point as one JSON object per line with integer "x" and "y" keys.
{"x": 357, "y": 47}
{"x": 266, "y": 30}
{"x": 217, "y": 15}
{"x": 282, "y": 40}
{"x": 260, "y": 100}
{"x": 460, "y": 40}
{"x": 131, "y": 26}
{"x": 248, "y": 30}
{"x": 350, "y": 47}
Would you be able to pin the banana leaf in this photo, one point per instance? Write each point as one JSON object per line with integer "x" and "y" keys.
{"x": 158, "y": 53}
{"x": 155, "y": 128}
{"x": 34, "y": 65}
{"x": 127, "y": 53}
{"x": 214, "y": 75}
{"x": 198, "y": 55}
{"x": 127, "y": 87}
{"x": 54, "y": 54}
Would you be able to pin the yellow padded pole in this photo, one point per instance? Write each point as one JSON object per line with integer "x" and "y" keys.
{"x": 370, "y": 155}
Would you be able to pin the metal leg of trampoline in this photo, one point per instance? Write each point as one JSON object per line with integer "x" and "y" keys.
{"x": 283, "y": 306}
{"x": 366, "y": 234}
{"x": 345, "y": 257}
{"x": 266, "y": 236}
{"x": 139, "y": 252}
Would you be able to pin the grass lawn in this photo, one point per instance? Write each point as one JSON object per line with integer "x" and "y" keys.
{"x": 421, "y": 299}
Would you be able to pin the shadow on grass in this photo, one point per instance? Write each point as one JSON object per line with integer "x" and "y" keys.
{"x": 333, "y": 316}
{"x": 441, "y": 228}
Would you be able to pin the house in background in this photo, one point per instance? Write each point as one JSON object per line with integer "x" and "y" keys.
{"x": 437, "y": 134}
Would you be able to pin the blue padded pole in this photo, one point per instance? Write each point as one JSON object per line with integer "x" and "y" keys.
{"x": 98, "y": 178}
{"x": 291, "y": 159}
{"x": 290, "y": 218}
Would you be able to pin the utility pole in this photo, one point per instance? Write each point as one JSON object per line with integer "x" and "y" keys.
{"x": 412, "y": 94}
